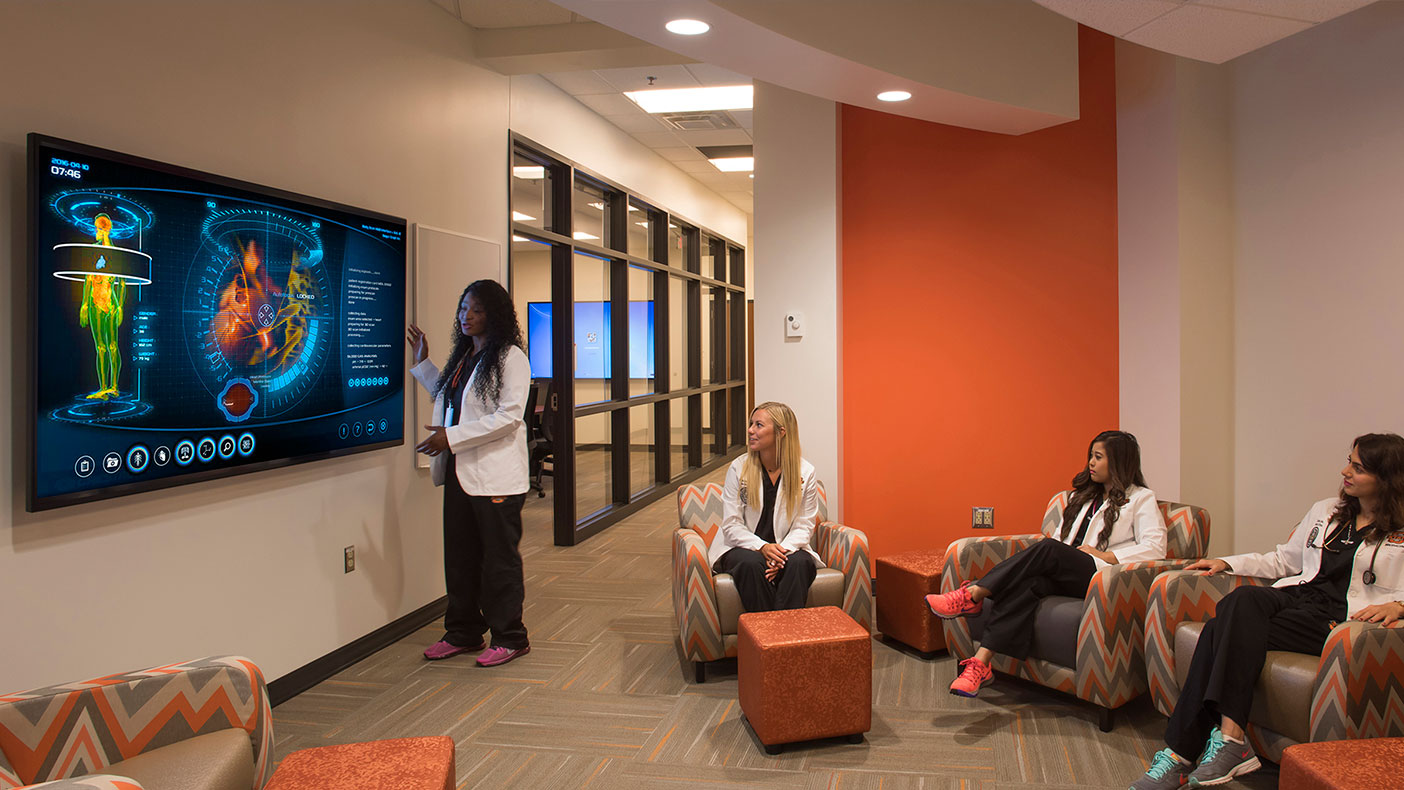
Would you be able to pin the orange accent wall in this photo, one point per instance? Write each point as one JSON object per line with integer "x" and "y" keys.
{"x": 979, "y": 314}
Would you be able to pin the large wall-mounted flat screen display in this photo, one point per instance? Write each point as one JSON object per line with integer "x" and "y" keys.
{"x": 185, "y": 326}
{"x": 592, "y": 344}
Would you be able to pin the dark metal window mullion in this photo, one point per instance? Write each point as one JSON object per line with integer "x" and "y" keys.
{"x": 563, "y": 480}
{"x": 662, "y": 360}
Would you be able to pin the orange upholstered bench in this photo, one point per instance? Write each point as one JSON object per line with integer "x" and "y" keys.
{"x": 804, "y": 674}
{"x": 1366, "y": 764}
{"x": 400, "y": 764}
{"x": 903, "y": 582}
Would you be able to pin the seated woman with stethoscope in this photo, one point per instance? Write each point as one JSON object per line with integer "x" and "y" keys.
{"x": 1345, "y": 559}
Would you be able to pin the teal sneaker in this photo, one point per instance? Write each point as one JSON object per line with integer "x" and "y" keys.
{"x": 1222, "y": 761}
{"x": 1167, "y": 772}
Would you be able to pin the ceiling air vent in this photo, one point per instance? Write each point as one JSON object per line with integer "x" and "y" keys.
{"x": 699, "y": 121}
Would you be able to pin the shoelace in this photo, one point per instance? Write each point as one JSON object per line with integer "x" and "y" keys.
{"x": 1211, "y": 749}
{"x": 1161, "y": 764}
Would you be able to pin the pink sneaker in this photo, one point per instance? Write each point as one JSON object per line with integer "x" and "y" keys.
{"x": 443, "y": 649}
{"x": 953, "y": 604}
{"x": 973, "y": 677}
{"x": 495, "y": 655}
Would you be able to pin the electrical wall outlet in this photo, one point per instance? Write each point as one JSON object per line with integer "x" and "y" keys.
{"x": 349, "y": 557}
{"x": 982, "y": 518}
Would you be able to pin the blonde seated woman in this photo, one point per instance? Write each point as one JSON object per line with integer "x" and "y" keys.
{"x": 769, "y": 506}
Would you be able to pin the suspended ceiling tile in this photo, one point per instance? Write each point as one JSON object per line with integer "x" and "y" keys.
{"x": 638, "y": 122}
{"x": 716, "y": 137}
{"x": 608, "y": 103}
{"x": 707, "y": 74}
{"x": 744, "y": 117}
{"x": 518, "y": 13}
{"x": 636, "y": 79}
{"x": 659, "y": 139}
{"x": 579, "y": 83}
{"x": 1117, "y": 18}
{"x": 1307, "y": 10}
{"x": 684, "y": 154}
{"x": 698, "y": 165}
{"x": 1213, "y": 35}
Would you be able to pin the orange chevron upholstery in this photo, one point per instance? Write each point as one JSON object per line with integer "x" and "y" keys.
{"x": 1358, "y": 691}
{"x": 76, "y": 729}
{"x": 843, "y": 549}
{"x": 1110, "y": 669}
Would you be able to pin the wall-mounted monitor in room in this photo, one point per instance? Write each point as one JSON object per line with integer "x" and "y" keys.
{"x": 185, "y": 326}
{"x": 592, "y": 355}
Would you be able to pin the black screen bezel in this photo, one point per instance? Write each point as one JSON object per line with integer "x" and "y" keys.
{"x": 33, "y": 502}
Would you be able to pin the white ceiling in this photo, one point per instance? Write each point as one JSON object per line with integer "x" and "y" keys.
{"x": 603, "y": 91}
{"x": 1214, "y": 31}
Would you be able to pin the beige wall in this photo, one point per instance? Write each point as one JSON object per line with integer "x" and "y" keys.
{"x": 1318, "y": 124}
{"x": 1175, "y": 277}
{"x": 797, "y": 243}
{"x": 373, "y": 103}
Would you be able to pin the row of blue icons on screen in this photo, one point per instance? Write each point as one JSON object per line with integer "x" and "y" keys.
{"x": 369, "y": 427}
{"x": 138, "y": 457}
{"x": 378, "y": 381}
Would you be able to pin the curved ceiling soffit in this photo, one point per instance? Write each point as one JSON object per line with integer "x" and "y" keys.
{"x": 998, "y": 67}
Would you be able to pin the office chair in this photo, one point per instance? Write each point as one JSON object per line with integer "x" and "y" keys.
{"x": 541, "y": 442}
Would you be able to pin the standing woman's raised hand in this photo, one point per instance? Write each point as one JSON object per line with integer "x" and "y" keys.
{"x": 419, "y": 344}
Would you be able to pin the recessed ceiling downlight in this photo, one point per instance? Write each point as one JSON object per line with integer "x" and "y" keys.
{"x": 894, "y": 96}
{"x": 687, "y": 27}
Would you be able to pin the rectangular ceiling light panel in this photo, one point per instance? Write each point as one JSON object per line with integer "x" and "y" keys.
{"x": 724, "y": 97}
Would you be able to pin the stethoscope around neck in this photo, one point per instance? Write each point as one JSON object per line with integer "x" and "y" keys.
{"x": 1368, "y": 576}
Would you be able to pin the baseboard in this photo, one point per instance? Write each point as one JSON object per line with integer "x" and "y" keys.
{"x": 282, "y": 689}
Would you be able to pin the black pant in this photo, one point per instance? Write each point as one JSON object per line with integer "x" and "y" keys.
{"x": 790, "y": 590}
{"x": 1016, "y": 585}
{"x": 482, "y": 567}
{"x": 1229, "y": 657}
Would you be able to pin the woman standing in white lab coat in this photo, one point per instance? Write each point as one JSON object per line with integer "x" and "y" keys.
{"x": 478, "y": 440}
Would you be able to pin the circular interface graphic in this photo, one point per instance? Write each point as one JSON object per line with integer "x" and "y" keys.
{"x": 260, "y": 319}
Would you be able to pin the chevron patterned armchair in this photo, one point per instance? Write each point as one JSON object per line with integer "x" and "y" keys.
{"x": 707, "y": 604}
{"x": 1353, "y": 689}
{"x": 206, "y": 721}
{"x": 1091, "y": 647}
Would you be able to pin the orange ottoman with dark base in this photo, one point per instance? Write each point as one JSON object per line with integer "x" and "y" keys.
{"x": 1367, "y": 764}
{"x": 803, "y": 674}
{"x": 902, "y": 583}
{"x": 400, "y": 764}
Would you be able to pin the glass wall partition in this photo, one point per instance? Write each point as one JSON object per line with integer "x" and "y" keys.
{"x": 634, "y": 321}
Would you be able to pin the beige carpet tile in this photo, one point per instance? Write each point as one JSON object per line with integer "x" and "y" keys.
{"x": 605, "y": 700}
{"x": 586, "y": 722}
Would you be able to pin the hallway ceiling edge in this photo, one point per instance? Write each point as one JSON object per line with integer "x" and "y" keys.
{"x": 1010, "y": 68}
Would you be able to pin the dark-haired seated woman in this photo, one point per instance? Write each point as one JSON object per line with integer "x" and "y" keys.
{"x": 1111, "y": 518}
{"x": 769, "y": 505}
{"x": 1332, "y": 566}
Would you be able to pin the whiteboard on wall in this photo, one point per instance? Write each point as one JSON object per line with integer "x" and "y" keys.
{"x": 444, "y": 263}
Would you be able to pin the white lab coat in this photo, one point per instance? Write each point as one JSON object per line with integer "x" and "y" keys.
{"x": 1294, "y": 562}
{"x": 1139, "y": 532}
{"x": 489, "y": 443}
{"x": 739, "y": 520}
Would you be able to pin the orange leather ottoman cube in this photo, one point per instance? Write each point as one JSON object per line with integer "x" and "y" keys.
{"x": 902, "y": 583}
{"x": 400, "y": 764}
{"x": 1366, "y": 764}
{"x": 803, "y": 674}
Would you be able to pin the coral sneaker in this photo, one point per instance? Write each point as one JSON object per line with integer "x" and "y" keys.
{"x": 444, "y": 649}
{"x": 953, "y": 604}
{"x": 973, "y": 677}
{"x": 496, "y": 655}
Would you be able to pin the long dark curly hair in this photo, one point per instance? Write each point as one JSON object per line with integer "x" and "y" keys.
{"x": 1124, "y": 470}
{"x": 503, "y": 332}
{"x": 1382, "y": 455}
